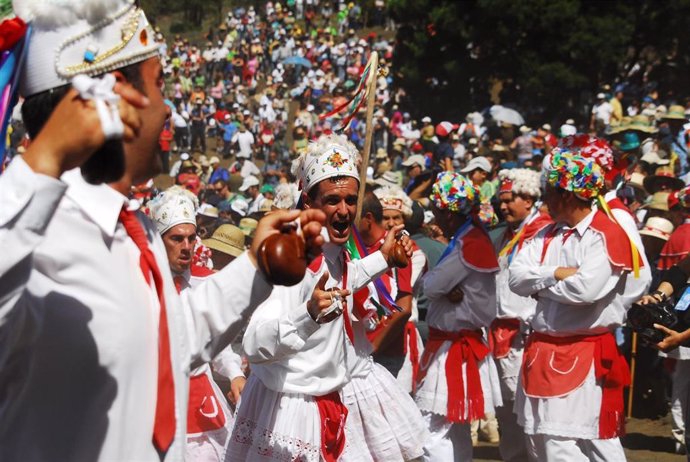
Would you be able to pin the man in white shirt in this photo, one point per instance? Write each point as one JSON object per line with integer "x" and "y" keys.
{"x": 250, "y": 189}
{"x": 601, "y": 115}
{"x": 297, "y": 342}
{"x": 84, "y": 306}
{"x": 245, "y": 142}
{"x": 570, "y": 396}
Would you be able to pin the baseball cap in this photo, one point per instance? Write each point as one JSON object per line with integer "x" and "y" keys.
{"x": 248, "y": 182}
{"x": 416, "y": 159}
{"x": 479, "y": 162}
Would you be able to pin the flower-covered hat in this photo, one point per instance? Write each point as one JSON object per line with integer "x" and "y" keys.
{"x": 329, "y": 156}
{"x": 590, "y": 147}
{"x": 520, "y": 181}
{"x": 575, "y": 173}
{"x": 681, "y": 198}
{"x": 454, "y": 192}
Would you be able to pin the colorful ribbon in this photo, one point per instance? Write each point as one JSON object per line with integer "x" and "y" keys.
{"x": 633, "y": 248}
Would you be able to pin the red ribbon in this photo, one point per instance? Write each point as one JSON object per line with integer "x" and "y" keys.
{"x": 410, "y": 344}
{"x": 468, "y": 347}
{"x": 11, "y": 31}
{"x": 333, "y": 415}
{"x": 501, "y": 335}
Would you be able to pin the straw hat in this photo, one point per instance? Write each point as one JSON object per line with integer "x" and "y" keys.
{"x": 675, "y": 112}
{"x": 659, "y": 201}
{"x": 657, "y": 227}
{"x": 228, "y": 239}
{"x": 641, "y": 123}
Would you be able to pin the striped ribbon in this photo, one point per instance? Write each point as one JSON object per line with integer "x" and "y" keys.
{"x": 356, "y": 102}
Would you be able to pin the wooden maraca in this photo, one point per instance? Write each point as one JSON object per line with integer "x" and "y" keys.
{"x": 282, "y": 257}
{"x": 398, "y": 256}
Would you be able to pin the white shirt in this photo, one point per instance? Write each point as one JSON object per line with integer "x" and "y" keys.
{"x": 249, "y": 168}
{"x": 478, "y": 306}
{"x": 288, "y": 350}
{"x": 594, "y": 300}
{"x": 79, "y": 324}
{"x": 256, "y": 204}
{"x": 603, "y": 112}
{"x": 245, "y": 140}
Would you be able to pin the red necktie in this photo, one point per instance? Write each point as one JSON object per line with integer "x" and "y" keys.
{"x": 164, "y": 426}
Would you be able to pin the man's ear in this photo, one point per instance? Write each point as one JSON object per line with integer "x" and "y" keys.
{"x": 306, "y": 201}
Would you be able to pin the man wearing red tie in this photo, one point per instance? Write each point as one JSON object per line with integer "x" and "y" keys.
{"x": 95, "y": 343}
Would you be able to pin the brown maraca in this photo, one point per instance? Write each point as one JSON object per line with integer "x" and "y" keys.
{"x": 282, "y": 257}
{"x": 398, "y": 256}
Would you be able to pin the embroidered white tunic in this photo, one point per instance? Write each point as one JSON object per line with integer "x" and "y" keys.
{"x": 79, "y": 324}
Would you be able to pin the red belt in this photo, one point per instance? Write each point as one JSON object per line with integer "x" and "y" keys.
{"x": 501, "y": 335}
{"x": 468, "y": 347}
{"x": 610, "y": 367}
{"x": 333, "y": 415}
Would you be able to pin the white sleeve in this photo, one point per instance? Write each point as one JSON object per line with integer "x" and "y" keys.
{"x": 228, "y": 364}
{"x": 364, "y": 270}
{"x": 279, "y": 328}
{"x": 527, "y": 275}
{"x": 594, "y": 279}
{"x": 218, "y": 308}
{"x": 447, "y": 274}
{"x": 29, "y": 201}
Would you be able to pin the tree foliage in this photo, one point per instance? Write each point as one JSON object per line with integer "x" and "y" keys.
{"x": 548, "y": 57}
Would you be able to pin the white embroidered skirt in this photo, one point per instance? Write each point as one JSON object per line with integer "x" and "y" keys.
{"x": 383, "y": 418}
{"x": 405, "y": 374}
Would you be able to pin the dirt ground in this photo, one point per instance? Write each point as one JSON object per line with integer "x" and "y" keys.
{"x": 646, "y": 441}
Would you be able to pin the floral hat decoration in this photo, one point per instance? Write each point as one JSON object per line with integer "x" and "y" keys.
{"x": 455, "y": 193}
{"x": 681, "y": 198}
{"x": 590, "y": 147}
{"x": 575, "y": 173}
{"x": 329, "y": 156}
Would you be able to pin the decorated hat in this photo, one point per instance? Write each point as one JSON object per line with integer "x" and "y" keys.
{"x": 394, "y": 198}
{"x": 520, "y": 181}
{"x": 589, "y": 146}
{"x": 173, "y": 207}
{"x": 81, "y": 37}
{"x": 681, "y": 198}
{"x": 572, "y": 172}
{"x": 329, "y": 156}
{"x": 445, "y": 128}
{"x": 454, "y": 192}
{"x": 286, "y": 196}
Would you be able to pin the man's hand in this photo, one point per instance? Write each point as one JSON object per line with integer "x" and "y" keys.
{"x": 322, "y": 299}
{"x": 564, "y": 272}
{"x": 59, "y": 146}
{"x": 673, "y": 339}
{"x": 455, "y": 295}
{"x": 236, "y": 386}
{"x": 390, "y": 241}
{"x": 311, "y": 221}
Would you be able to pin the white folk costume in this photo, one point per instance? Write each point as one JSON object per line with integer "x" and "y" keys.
{"x": 291, "y": 408}
{"x": 507, "y": 332}
{"x": 457, "y": 372}
{"x": 570, "y": 396}
{"x": 394, "y": 198}
{"x": 84, "y": 305}
{"x": 209, "y": 418}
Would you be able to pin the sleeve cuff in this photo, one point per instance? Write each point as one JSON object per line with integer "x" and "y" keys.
{"x": 375, "y": 264}
{"x": 547, "y": 277}
{"x": 300, "y": 318}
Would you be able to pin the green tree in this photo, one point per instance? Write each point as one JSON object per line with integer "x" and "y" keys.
{"x": 547, "y": 56}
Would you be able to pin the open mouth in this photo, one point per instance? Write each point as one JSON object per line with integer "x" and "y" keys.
{"x": 340, "y": 226}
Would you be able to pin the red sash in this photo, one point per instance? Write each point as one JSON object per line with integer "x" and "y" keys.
{"x": 410, "y": 344}
{"x": 333, "y": 415}
{"x": 204, "y": 412}
{"x": 556, "y": 366}
{"x": 468, "y": 347}
{"x": 501, "y": 335}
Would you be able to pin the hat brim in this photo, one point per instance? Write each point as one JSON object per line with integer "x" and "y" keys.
{"x": 652, "y": 233}
{"x": 221, "y": 246}
{"x": 654, "y": 183}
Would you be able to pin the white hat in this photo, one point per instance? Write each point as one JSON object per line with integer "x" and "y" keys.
{"x": 286, "y": 196}
{"x": 184, "y": 156}
{"x": 426, "y": 120}
{"x": 520, "y": 181}
{"x": 240, "y": 206}
{"x": 172, "y": 207}
{"x": 329, "y": 156}
{"x": 248, "y": 182}
{"x": 570, "y": 122}
{"x": 394, "y": 198}
{"x": 81, "y": 37}
{"x": 415, "y": 159}
{"x": 207, "y": 210}
{"x": 601, "y": 96}
{"x": 658, "y": 227}
{"x": 652, "y": 157}
{"x": 389, "y": 179}
{"x": 479, "y": 162}
{"x": 546, "y": 127}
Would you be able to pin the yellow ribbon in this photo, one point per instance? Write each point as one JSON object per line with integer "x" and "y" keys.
{"x": 633, "y": 248}
{"x": 508, "y": 248}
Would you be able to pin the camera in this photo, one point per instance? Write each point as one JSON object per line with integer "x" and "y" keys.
{"x": 641, "y": 318}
